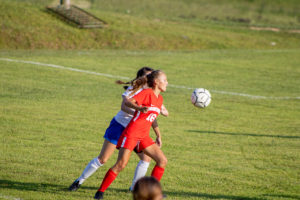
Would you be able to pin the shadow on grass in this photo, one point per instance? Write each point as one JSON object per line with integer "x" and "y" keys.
{"x": 209, "y": 196}
{"x": 212, "y": 196}
{"x": 54, "y": 188}
{"x": 39, "y": 187}
{"x": 245, "y": 134}
{"x": 179, "y": 194}
{"x": 283, "y": 196}
{"x": 45, "y": 187}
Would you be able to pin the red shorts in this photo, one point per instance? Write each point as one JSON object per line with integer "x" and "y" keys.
{"x": 134, "y": 143}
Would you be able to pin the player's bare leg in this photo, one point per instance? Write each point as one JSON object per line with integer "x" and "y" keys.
{"x": 161, "y": 161}
{"x": 112, "y": 173}
{"x": 107, "y": 150}
{"x": 123, "y": 158}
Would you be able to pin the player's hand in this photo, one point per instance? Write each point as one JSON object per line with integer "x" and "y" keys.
{"x": 143, "y": 109}
{"x": 164, "y": 111}
{"x": 158, "y": 142}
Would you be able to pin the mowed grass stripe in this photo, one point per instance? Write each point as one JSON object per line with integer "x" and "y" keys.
{"x": 127, "y": 78}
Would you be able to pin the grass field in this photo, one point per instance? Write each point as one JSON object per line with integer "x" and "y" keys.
{"x": 52, "y": 123}
{"x": 154, "y": 25}
{"x": 274, "y": 13}
{"x": 244, "y": 146}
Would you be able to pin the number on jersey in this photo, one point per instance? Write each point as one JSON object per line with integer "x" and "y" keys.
{"x": 151, "y": 117}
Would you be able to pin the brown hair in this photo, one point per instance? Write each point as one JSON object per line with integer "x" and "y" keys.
{"x": 147, "y": 188}
{"x": 149, "y": 79}
{"x": 140, "y": 73}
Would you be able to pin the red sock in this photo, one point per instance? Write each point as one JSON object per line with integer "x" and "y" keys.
{"x": 109, "y": 177}
{"x": 157, "y": 172}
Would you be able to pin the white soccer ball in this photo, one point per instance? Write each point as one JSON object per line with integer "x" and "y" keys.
{"x": 201, "y": 97}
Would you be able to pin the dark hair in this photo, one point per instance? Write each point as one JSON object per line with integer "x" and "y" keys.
{"x": 146, "y": 188}
{"x": 143, "y": 71}
{"x": 149, "y": 79}
{"x": 139, "y": 74}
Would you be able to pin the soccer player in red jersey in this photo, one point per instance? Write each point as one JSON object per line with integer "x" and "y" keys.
{"x": 147, "y": 104}
{"x": 114, "y": 132}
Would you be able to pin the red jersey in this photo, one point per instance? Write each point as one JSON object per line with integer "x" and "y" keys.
{"x": 140, "y": 124}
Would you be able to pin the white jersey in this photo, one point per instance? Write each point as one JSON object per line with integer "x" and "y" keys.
{"x": 122, "y": 117}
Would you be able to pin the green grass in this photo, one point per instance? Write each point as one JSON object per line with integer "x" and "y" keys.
{"x": 155, "y": 25}
{"x": 52, "y": 123}
{"x": 275, "y": 13}
{"x": 52, "y": 120}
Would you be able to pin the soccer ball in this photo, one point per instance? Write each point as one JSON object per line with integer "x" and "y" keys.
{"x": 201, "y": 97}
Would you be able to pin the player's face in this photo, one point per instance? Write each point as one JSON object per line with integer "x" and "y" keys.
{"x": 162, "y": 82}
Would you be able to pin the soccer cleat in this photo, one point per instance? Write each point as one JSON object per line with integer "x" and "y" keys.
{"x": 99, "y": 195}
{"x": 75, "y": 185}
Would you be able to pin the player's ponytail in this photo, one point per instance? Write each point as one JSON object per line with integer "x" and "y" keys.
{"x": 138, "y": 84}
{"x": 142, "y": 72}
{"x": 123, "y": 83}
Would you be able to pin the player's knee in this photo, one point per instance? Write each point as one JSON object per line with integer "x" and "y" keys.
{"x": 120, "y": 166}
{"x": 102, "y": 160}
{"x": 146, "y": 159}
{"x": 123, "y": 165}
{"x": 163, "y": 162}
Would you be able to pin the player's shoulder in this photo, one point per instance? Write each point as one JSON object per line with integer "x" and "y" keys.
{"x": 130, "y": 87}
{"x": 148, "y": 90}
{"x": 128, "y": 91}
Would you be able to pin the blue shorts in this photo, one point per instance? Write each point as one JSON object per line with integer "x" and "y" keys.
{"x": 113, "y": 132}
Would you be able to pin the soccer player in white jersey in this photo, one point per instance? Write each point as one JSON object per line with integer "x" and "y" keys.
{"x": 113, "y": 133}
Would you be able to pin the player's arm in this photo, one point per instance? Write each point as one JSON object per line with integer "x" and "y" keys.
{"x": 164, "y": 111}
{"x": 126, "y": 108}
{"x": 131, "y": 103}
{"x": 157, "y": 133}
